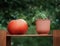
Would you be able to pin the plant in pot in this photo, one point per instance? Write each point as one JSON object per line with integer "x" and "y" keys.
{"x": 42, "y": 22}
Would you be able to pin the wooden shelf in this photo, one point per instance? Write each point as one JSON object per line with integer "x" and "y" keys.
{"x": 5, "y": 37}
{"x": 30, "y": 35}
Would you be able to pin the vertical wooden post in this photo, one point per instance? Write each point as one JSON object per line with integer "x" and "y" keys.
{"x": 2, "y": 38}
{"x": 56, "y": 38}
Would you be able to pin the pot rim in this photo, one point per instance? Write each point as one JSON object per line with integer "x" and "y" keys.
{"x": 41, "y": 19}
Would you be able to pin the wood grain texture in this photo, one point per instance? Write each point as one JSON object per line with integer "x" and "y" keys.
{"x": 56, "y": 38}
{"x": 2, "y": 38}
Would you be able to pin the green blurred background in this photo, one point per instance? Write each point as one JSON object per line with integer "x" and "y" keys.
{"x": 25, "y": 9}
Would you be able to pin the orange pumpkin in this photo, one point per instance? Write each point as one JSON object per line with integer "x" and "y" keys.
{"x": 18, "y": 26}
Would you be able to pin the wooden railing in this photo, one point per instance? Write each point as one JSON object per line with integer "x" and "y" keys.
{"x": 5, "y": 38}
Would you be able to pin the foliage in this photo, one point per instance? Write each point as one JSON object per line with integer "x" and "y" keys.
{"x": 26, "y": 9}
{"x": 30, "y": 10}
{"x": 32, "y": 41}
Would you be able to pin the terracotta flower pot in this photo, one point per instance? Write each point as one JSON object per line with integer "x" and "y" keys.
{"x": 43, "y": 26}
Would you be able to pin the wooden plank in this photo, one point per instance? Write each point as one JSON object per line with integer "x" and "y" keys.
{"x": 2, "y": 38}
{"x": 30, "y": 35}
{"x": 56, "y": 38}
